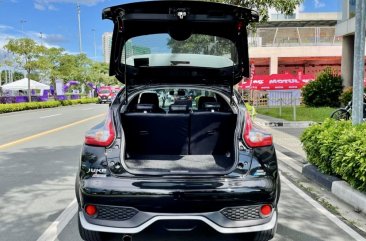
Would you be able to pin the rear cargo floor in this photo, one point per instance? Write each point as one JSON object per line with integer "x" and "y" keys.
{"x": 177, "y": 163}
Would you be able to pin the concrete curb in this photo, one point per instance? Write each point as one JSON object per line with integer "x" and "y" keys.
{"x": 349, "y": 195}
{"x": 311, "y": 172}
{"x": 339, "y": 188}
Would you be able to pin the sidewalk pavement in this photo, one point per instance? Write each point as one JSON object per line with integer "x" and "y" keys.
{"x": 289, "y": 151}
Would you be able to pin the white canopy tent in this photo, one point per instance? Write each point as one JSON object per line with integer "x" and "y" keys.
{"x": 23, "y": 85}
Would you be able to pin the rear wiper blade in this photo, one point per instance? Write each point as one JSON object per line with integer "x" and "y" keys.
{"x": 179, "y": 62}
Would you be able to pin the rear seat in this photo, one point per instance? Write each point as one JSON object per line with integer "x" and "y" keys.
{"x": 211, "y": 132}
{"x": 179, "y": 132}
{"x": 156, "y": 134}
{"x": 177, "y": 108}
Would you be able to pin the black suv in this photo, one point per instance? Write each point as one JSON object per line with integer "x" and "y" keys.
{"x": 161, "y": 158}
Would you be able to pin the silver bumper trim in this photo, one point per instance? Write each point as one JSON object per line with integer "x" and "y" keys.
{"x": 98, "y": 228}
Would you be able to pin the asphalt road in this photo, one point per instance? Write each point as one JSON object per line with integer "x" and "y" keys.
{"x": 37, "y": 184}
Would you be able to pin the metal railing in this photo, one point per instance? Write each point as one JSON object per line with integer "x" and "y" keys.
{"x": 294, "y": 36}
{"x": 275, "y": 103}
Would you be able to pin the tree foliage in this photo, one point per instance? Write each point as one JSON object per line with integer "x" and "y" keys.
{"x": 27, "y": 52}
{"x": 54, "y": 63}
{"x": 286, "y": 7}
{"x": 202, "y": 44}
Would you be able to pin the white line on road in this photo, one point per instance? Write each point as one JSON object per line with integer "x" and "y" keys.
{"x": 48, "y": 116}
{"x": 324, "y": 211}
{"x": 60, "y": 223}
{"x": 87, "y": 109}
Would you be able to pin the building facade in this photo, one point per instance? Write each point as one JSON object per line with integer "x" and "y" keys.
{"x": 107, "y": 45}
{"x": 129, "y": 49}
{"x": 305, "y": 42}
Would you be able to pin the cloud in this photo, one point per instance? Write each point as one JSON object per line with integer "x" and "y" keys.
{"x": 4, "y": 35}
{"x": 302, "y": 7}
{"x": 50, "y": 4}
{"x": 47, "y": 40}
{"x": 39, "y": 6}
{"x": 5, "y": 27}
{"x": 55, "y": 38}
{"x": 318, "y": 4}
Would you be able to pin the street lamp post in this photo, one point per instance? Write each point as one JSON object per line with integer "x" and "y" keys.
{"x": 359, "y": 62}
{"x": 78, "y": 10}
{"x": 22, "y": 22}
{"x": 41, "y": 37}
{"x": 95, "y": 45}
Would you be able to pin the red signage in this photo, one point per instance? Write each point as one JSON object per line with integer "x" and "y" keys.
{"x": 277, "y": 82}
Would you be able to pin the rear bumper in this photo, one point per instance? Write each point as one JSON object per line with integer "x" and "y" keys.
{"x": 105, "y": 101}
{"x": 164, "y": 195}
{"x": 211, "y": 219}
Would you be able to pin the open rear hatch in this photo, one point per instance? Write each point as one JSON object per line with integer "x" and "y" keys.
{"x": 180, "y": 20}
{"x": 200, "y": 43}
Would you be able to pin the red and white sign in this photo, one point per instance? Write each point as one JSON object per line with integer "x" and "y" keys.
{"x": 277, "y": 82}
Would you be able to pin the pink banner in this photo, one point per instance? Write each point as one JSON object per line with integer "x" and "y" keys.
{"x": 277, "y": 82}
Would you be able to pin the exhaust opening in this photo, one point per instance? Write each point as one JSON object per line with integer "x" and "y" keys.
{"x": 127, "y": 237}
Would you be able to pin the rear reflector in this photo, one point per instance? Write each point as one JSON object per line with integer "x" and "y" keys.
{"x": 253, "y": 136}
{"x": 103, "y": 135}
{"x": 91, "y": 210}
{"x": 266, "y": 210}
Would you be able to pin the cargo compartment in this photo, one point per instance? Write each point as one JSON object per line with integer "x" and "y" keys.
{"x": 194, "y": 143}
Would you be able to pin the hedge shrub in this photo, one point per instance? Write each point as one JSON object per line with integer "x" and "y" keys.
{"x": 339, "y": 149}
{"x": 324, "y": 90}
{"x": 5, "y": 108}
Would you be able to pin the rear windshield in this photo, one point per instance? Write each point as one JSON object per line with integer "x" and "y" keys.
{"x": 104, "y": 91}
{"x": 161, "y": 50}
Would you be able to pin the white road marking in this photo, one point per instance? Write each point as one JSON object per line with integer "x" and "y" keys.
{"x": 87, "y": 109}
{"x": 60, "y": 223}
{"x": 48, "y": 116}
{"x": 324, "y": 211}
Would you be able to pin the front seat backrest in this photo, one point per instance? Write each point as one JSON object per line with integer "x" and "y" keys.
{"x": 203, "y": 99}
{"x": 149, "y": 98}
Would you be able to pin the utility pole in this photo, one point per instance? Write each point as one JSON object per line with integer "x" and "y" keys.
{"x": 22, "y": 22}
{"x": 41, "y": 37}
{"x": 78, "y": 10}
{"x": 359, "y": 63}
{"x": 95, "y": 45}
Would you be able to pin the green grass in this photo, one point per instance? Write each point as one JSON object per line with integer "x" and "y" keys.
{"x": 302, "y": 113}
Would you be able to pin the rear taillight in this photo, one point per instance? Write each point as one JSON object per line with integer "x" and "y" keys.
{"x": 102, "y": 136}
{"x": 253, "y": 136}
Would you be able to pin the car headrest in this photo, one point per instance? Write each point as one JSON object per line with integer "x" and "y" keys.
{"x": 145, "y": 108}
{"x": 149, "y": 98}
{"x": 204, "y": 99}
{"x": 181, "y": 93}
{"x": 211, "y": 106}
{"x": 178, "y": 108}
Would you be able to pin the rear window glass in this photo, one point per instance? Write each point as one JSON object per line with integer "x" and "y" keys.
{"x": 161, "y": 50}
{"x": 104, "y": 91}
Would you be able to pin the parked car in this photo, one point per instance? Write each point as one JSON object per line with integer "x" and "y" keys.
{"x": 106, "y": 94}
{"x": 178, "y": 166}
